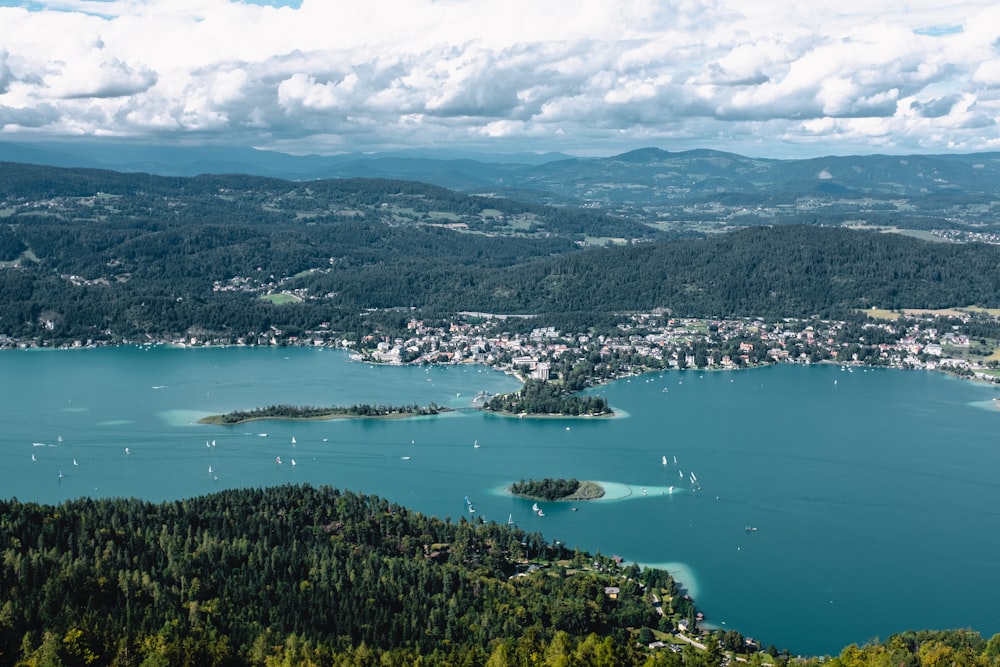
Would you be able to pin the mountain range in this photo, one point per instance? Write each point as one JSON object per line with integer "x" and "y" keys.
{"x": 701, "y": 190}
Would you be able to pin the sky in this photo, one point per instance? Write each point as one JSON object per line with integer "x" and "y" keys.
{"x": 766, "y": 78}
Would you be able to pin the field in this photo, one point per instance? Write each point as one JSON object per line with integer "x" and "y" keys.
{"x": 281, "y": 298}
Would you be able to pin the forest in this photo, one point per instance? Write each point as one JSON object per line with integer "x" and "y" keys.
{"x": 538, "y": 397}
{"x": 545, "y": 489}
{"x": 302, "y": 575}
{"x": 103, "y": 257}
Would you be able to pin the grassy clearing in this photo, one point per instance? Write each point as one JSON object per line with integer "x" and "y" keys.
{"x": 604, "y": 240}
{"x": 921, "y": 234}
{"x": 960, "y": 311}
{"x": 444, "y": 215}
{"x": 995, "y": 312}
{"x": 281, "y": 299}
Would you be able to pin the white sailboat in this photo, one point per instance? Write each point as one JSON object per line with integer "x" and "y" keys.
{"x": 294, "y": 463}
{"x": 59, "y": 438}
{"x": 293, "y": 439}
{"x": 664, "y": 460}
{"x": 475, "y": 445}
{"x": 209, "y": 470}
{"x": 693, "y": 478}
{"x": 510, "y": 519}
{"x": 75, "y": 463}
{"x": 680, "y": 473}
{"x": 534, "y": 508}
{"x": 277, "y": 459}
{"x": 33, "y": 458}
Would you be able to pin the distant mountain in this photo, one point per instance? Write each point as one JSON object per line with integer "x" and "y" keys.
{"x": 197, "y": 160}
{"x": 700, "y": 190}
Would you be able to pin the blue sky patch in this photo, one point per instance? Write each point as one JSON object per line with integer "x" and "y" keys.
{"x": 940, "y": 30}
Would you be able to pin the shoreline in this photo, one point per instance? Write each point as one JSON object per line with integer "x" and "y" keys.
{"x": 548, "y": 415}
{"x": 32, "y": 346}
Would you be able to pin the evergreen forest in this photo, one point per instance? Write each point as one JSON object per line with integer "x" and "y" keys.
{"x": 302, "y": 575}
{"x": 538, "y": 397}
{"x": 99, "y": 256}
{"x": 545, "y": 489}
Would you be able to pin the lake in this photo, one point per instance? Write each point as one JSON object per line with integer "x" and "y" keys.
{"x": 875, "y": 494}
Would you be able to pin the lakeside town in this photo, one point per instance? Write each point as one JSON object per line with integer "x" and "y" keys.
{"x": 963, "y": 342}
{"x": 929, "y": 340}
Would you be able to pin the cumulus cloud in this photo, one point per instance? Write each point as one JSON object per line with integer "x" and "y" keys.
{"x": 576, "y": 75}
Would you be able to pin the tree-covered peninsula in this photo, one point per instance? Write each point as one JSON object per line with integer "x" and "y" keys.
{"x": 538, "y": 397}
{"x": 300, "y": 575}
{"x": 295, "y": 412}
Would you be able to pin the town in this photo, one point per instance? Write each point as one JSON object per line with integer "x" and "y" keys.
{"x": 960, "y": 342}
{"x": 656, "y": 341}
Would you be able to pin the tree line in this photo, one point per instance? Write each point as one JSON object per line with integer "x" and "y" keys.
{"x": 545, "y": 489}
{"x": 539, "y": 397}
{"x": 298, "y": 575}
{"x": 310, "y": 412}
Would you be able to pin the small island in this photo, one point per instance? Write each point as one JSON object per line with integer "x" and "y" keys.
{"x": 309, "y": 413}
{"x": 542, "y": 398}
{"x": 557, "y": 489}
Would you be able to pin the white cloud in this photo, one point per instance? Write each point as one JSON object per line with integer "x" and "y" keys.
{"x": 787, "y": 78}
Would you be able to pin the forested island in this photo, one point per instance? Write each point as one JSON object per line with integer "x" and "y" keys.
{"x": 307, "y": 413}
{"x": 541, "y": 398}
{"x": 557, "y": 489}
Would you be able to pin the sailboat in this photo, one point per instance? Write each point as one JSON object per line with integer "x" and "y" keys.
{"x": 475, "y": 445}
{"x": 75, "y": 463}
{"x": 294, "y": 463}
{"x": 293, "y": 439}
{"x": 471, "y": 508}
{"x": 680, "y": 473}
{"x": 510, "y": 519}
{"x": 59, "y": 438}
{"x": 277, "y": 459}
{"x": 534, "y": 508}
{"x": 209, "y": 470}
{"x": 33, "y": 458}
{"x": 664, "y": 460}
{"x": 693, "y": 478}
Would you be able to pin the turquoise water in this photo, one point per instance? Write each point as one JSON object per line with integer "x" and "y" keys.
{"x": 875, "y": 494}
